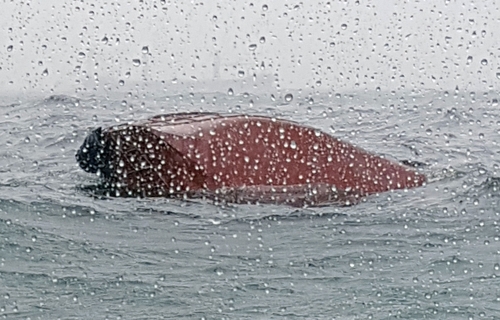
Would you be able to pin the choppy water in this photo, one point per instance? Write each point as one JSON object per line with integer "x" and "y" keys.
{"x": 433, "y": 252}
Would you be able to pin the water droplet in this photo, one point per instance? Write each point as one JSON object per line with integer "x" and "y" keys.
{"x": 469, "y": 59}
{"x": 252, "y": 47}
{"x": 45, "y": 73}
{"x": 241, "y": 73}
{"x": 145, "y": 50}
{"x": 265, "y": 7}
{"x": 262, "y": 40}
{"x": 121, "y": 82}
{"x": 105, "y": 40}
{"x": 293, "y": 144}
{"x": 230, "y": 92}
{"x": 136, "y": 62}
{"x": 498, "y": 75}
{"x": 343, "y": 26}
{"x": 81, "y": 55}
{"x": 10, "y": 48}
{"x": 484, "y": 62}
{"x": 33, "y": 238}
{"x": 288, "y": 97}
{"x": 27, "y": 140}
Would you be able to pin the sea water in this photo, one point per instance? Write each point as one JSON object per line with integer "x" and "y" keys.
{"x": 432, "y": 252}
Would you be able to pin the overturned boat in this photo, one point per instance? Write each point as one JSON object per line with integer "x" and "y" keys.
{"x": 237, "y": 159}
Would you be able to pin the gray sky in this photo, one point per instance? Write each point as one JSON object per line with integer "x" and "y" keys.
{"x": 74, "y": 47}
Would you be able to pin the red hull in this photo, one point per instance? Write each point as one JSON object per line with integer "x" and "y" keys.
{"x": 244, "y": 159}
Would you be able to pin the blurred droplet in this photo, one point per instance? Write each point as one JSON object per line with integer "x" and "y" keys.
{"x": 265, "y": 7}
{"x": 241, "y": 73}
{"x": 9, "y": 48}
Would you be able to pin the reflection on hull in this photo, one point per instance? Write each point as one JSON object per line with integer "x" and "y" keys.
{"x": 238, "y": 159}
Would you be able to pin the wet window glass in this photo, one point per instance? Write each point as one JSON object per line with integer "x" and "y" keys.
{"x": 241, "y": 160}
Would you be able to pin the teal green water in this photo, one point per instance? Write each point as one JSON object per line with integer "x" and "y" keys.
{"x": 431, "y": 252}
